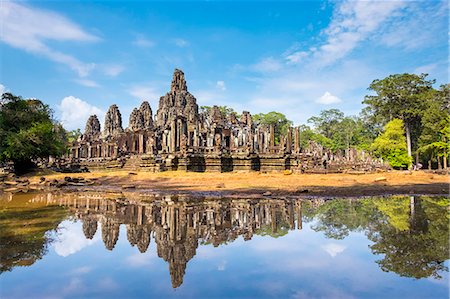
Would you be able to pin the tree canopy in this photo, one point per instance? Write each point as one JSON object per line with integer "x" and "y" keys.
{"x": 391, "y": 145}
{"x": 400, "y": 96}
{"x": 28, "y": 131}
{"x": 277, "y": 119}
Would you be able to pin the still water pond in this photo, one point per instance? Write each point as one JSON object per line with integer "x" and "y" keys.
{"x": 94, "y": 245}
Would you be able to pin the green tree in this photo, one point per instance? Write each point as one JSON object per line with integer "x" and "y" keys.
{"x": 400, "y": 96}
{"x": 277, "y": 119}
{"x": 73, "y": 135}
{"x": 435, "y": 136}
{"x": 224, "y": 110}
{"x": 327, "y": 123}
{"x": 391, "y": 145}
{"x": 28, "y": 131}
{"x": 305, "y": 136}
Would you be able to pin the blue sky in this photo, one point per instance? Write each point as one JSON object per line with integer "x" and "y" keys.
{"x": 296, "y": 57}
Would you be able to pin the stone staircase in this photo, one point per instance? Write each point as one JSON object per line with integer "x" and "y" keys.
{"x": 143, "y": 163}
{"x": 133, "y": 163}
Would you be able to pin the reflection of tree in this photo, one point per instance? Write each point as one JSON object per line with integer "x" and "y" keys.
{"x": 421, "y": 249}
{"x": 267, "y": 230}
{"x": 336, "y": 218}
{"x": 23, "y": 227}
{"x": 412, "y": 233}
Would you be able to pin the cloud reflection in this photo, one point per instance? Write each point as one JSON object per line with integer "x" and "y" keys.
{"x": 71, "y": 239}
{"x": 333, "y": 249}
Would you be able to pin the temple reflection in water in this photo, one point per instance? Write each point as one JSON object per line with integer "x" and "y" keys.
{"x": 178, "y": 224}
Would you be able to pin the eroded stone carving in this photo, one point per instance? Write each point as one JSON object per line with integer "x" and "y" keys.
{"x": 136, "y": 120}
{"x": 113, "y": 122}
{"x": 92, "y": 128}
{"x": 182, "y": 138}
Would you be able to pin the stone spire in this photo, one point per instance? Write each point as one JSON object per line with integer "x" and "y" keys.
{"x": 246, "y": 118}
{"x": 178, "y": 82}
{"x": 136, "y": 120}
{"x": 147, "y": 113}
{"x": 89, "y": 227}
{"x": 92, "y": 126}
{"x": 177, "y": 103}
{"x": 113, "y": 121}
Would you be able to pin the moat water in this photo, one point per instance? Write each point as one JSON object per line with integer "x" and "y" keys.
{"x": 94, "y": 245}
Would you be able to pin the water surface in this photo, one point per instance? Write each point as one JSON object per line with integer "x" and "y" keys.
{"x": 92, "y": 245}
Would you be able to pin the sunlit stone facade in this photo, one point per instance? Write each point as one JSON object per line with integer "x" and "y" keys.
{"x": 180, "y": 137}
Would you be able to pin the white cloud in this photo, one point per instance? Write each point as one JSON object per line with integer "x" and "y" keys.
{"x": 3, "y": 89}
{"x": 427, "y": 69}
{"x": 144, "y": 92}
{"x": 113, "y": 70}
{"x": 296, "y": 57}
{"x": 333, "y": 249}
{"x": 352, "y": 22}
{"x": 86, "y": 82}
{"x": 209, "y": 97}
{"x": 327, "y": 99}
{"x": 29, "y": 28}
{"x": 221, "y": 85}
{"x": 179, "y": 42}
{"x": 143, "y": 42}
{"x": 138, "y": 260}
{"x": 107, "y": 283}
{"x": 75, "y": 112}
{"x": 222, "y": 266}
{"x": 81, "y": 270}
{"x": 267, "y": 65}
{"x": 72, "y": 239}
{"x": 413, "y": 28}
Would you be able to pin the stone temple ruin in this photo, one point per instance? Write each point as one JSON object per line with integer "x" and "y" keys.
{"x": 178, "y": 137}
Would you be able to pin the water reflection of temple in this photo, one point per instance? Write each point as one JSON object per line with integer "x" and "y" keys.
{"x": 177, "y": 224}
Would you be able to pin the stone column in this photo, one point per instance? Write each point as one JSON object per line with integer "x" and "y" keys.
{"x": 141, "y": 143}
{"x": 296, "y": 140}
{"x": 272, "y": 137}
{"x": 289, "y": 140}
{"x": 299, "y": 215}
{"x": 172, "y": 136}
{"x": 196, "y": 137}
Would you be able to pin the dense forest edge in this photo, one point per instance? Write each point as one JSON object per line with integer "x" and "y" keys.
{"x": 405, "y": 121}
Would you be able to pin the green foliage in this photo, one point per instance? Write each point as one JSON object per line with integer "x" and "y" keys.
{"x": 73, "y": 135}
{"x": 307, "y": 135}
{"x": 277, "y": 119}
{"x": 399, "y": 96}
{"x": 435, "y": 136}
{"x": 267, "y": 230}
{"x": 419, "y": 250}
{"x": 391, "y": 145}
{"x": 411, "y": 234}
{"x": 336, "y": 131}
{"x": 27, "y": 130}
{"x": 327, "y": 122}
{"x": 24, "y": 230}
{"x": 224, "y": 110}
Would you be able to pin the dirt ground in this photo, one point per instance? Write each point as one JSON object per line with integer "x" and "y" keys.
{"x": 394, "y": 182}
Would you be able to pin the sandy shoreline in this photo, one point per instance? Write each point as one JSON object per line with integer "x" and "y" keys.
{"x": 260, "y": 184}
